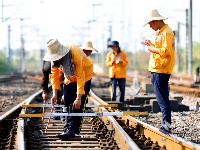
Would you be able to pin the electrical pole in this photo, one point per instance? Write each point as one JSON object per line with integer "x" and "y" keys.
{"x": 190, "y": 60}
{"x": 9, "y": 50}
{"x": 187, "y": 43}
{"x": 110, "y": 33}
{"x": 135, "y": 60}
{"x": 2, "y": 19}
{"x": 123, "y": 34}
{"x": 93, "y": 16}
{"x": 103, "y": 53}
{"x": 177, "y": 35}
{"x": 22, "y": 49}
{"x": 8, "y": 46}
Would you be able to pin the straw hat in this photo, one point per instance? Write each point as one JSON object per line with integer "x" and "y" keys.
{"x": 55, "y": 50}
{"x": 88, "y": 46}
{"x": 154, "y": 15}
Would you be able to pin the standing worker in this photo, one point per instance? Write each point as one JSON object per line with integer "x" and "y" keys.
{"x": 161, "y": 64}
{"x": 117, "y": 61}
{"x": 78, "y": 72}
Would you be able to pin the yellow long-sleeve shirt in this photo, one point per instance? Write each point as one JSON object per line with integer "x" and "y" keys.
{"x": 87, "y": 69}
{"x": 60, "y": 75}
{"x": 117, "y": 70}
{"x": 83, "y": 70}
{"x": 165, "y": 60}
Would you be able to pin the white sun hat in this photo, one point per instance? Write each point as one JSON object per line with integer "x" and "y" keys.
{"x": 55, "y": 50}
{"x": 88, "y": 46}
{"x": 154, "y": 15}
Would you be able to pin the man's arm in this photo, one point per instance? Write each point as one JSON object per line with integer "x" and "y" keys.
{"x": 46, "y": 70}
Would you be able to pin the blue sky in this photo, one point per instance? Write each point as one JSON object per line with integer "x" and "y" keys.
{"x": 68, "y": 21}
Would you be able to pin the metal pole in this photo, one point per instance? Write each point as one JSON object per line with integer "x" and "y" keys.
{"x": 103, "y": 53}
{"x": 9, "y": 50}
{"x": 41, "y": 50}
{"x": 110, "y": 33}
{"x": 96, "y": 55}
{"x": 135, "y": 55}
{"x": 22, "y": 49}
{"x": 2, "y": 19}
{"x": 93, "y": 11}
{"x": 129, "y": 47}
{"x": 177, "y": 35}
{"x": 89, "y": 29}
{"x": 187, "y": 43}
{"x": 190, "y": 61}
{"x": 123, "y": 22}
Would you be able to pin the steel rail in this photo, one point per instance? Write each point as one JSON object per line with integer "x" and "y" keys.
{"x": 21, "y": 123}
{"x": 10, "y": 78}
{"x": 183, "y": 86}
{"x": 5, "y": 115}
{"x": 171, "y": 142}
{"x": 184, "y": 89}
{"x": 120, "y": 134}
{"x": 127, "y": 143}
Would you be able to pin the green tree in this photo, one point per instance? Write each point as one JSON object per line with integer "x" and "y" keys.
{"x": 196, "y": 55}
{"x": 3, "y": 63}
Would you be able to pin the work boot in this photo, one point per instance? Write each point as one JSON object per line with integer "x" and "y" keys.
{"x": 66, "y": 135}
{"x": 165, "y": 128}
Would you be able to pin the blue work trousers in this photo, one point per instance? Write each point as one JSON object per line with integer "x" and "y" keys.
{"x": 161, "y": 90}
{"x": 59, "y": 94}
{"x": 74, "y": 123}
{"x": 121, "y": 83}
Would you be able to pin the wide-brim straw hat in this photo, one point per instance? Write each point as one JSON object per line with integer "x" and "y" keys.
{"x": 88, "y": 46}
{"x": 55, "y": 50}
{"x": 154, "y": 15}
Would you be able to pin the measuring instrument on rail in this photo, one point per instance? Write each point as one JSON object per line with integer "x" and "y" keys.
{"x": 96, "y": 114}
{"x": 50, "y": 105}
{"x": 67, "y": 113}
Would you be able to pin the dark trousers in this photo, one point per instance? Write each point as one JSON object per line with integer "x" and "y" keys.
{"x": 74, "y": 123}
{"x": 161, "y": 90}
{"x": 59, "y": 94}
{"x": 58, "y": 102}
{"x": 121, "y": 83}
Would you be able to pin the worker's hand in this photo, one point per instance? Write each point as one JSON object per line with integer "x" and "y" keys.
{"x": 118, "y": 61}
{"x": 62, "y": 99}
{"x": 77, "y": 102}
{"x": 114, "y": 52}
{"x": 44, "y": 96}
{"x": 53, "y": 99}
{"x": 113, "y": 59}
{"x": 148, "y": 42}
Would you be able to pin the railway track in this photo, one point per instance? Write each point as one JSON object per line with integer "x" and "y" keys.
{"x": 148, "y": 137}
{"x": 97, "y": 133}
{"x": 9, "y": 77}
{"x": 101, "y": 132}
{"x": 183, "y": 84}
